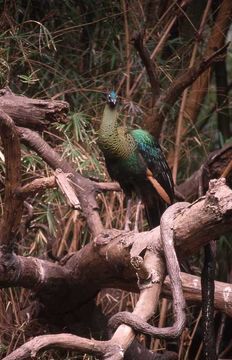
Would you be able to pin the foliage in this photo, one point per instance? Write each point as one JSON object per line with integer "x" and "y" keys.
{"x": 75, "y": 51}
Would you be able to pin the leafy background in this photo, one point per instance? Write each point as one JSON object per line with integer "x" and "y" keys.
{"x": 77, "y": 51}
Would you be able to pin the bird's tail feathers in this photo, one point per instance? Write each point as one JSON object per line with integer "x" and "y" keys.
{"x": 154, "y": 208}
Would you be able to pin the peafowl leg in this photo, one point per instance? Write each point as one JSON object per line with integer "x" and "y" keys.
{"x": 128, "y": 214}
{"x": 138, "y": 208}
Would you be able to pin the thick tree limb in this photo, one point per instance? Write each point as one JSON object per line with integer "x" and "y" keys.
{"x": 216, "y": 165}
{"x": 219, "y": 211}
{"x": 191, "y": 286}
{"x": 12, "y": 206}
{"x": 110, "y": 254}
{"x": 111, "y": 250}
{"x": 166, "y": 228}
{"x": 118, "y": 248}
{"x": 192, "y": 292}
{"x": 32, "y": 113}
{"x": 147, "y": 303}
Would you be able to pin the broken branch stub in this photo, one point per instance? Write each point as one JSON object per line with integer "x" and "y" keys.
{"x": 32, "y": 113}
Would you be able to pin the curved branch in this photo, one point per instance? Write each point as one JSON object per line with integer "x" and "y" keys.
{"x": 65, "y": 341}
{"x": 148, "y": 63}
{"x": 84, "y": 187}
{"x": 132, "y": 319}
{"x": 110, "y": 256}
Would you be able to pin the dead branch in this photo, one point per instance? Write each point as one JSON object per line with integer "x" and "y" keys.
{"x": 84, "y": 188}
{"x": 163, "y": 37}
{"x": 166, "y": 228}
{"x": 12, "y": 206}
{"x": 66, "y": 341}
{"x": 150, "y": 65}
{"x": 217, "y": 164}
{"x": 64, "y": 182}
{"x": 35, "y": 186}
{"x": 76, "y": 343}
{"x": 113, "y": 249}
{"x": 32, "y": 113}
{"x": 118, "y": 248}
{"x": 192, "y": 292}
{"x": 147, "y": 303}
{"x": 104, "y": 186}
{"x": 213, "y": 207}
{"x": 39, "y": 185}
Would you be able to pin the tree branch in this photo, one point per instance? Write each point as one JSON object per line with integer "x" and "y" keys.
{"x": 13, "y": 207}
{"x": 119, "y": 248}
{"x": 150, "y": 65}
{"x": 132, "y": 319}
{"x": 85, "y": 188}
{"x": 32, "y": 113}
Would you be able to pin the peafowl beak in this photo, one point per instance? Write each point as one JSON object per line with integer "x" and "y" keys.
{"x": 112, "y": 99}
{"x": 113, "y": 102}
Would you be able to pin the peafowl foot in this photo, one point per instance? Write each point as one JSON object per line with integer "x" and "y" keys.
{"x": 128, "y": 214}
{"x": 138, "y": 209}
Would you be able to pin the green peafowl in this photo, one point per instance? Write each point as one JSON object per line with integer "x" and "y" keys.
{"x": 135, "y": 159}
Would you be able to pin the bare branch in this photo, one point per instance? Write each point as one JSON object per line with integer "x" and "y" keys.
{"x": 36, "y": 186}
{"x": 217, "y": 164}
{"x": 84, "y": 187}
{"x": 192, "y": 292}
{"x": 149, "y": 64}
{"x": 118, "y": 248}
{"x": 12, "y": 206}
{"x": 65, "y": 341}
{"x": 65, "y": 186}
{"x": 133, "y": 319}
{"x": 32, "y": 113}
{"x": 105, "y": 186}
{"x": 114, "y": 249}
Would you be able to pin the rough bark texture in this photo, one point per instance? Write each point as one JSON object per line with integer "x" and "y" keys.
{"x": 114, "y": 259}
{"x": 192, "y": 228}
{"x": 21, "y": 108}
{"x": 213, "y": 168}
{"x": 13, "y": 207}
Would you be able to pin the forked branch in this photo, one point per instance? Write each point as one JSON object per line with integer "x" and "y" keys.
{"x": 132, "y": 319}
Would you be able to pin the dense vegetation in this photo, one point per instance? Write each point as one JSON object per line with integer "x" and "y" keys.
{"x": 76, "y": 51}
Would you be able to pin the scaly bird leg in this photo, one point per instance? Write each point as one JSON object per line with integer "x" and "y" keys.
{"x": 128, "y": 214}
{"x": 138, "y": 208}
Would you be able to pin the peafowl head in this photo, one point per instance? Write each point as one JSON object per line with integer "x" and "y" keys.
{"x": 112, "y": 99}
